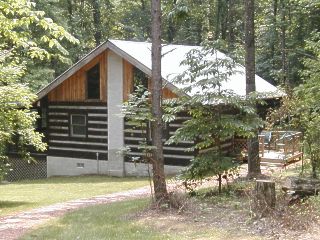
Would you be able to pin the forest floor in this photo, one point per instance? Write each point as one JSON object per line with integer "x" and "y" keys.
{"x": 230, "y": 216}
{"x": 233, "y": 213}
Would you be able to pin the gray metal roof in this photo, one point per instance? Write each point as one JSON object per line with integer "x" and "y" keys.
{"x": 139, "y": 54}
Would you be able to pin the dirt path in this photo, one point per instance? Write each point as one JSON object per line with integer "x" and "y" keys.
{"x": 14, "y": 226}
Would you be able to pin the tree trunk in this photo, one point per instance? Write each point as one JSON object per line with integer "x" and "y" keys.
{"x": 97, "y": 21}
{"x": 218, "y": 19}
{"x": 284, "y": 75}
{"x": 70, "y": 15}
{"x": 160, "y": 189}
{"x": 274, "y": 33}
{"x": 266, "y": 196}
{"x": 171, "y": 31}
{"x": 314, "y": 166}
{"x": 253, "y": 143}
{"x": 231, "y": 39}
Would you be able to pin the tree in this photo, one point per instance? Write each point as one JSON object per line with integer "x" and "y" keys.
{"x": 16, "y": 119}
{"x": 217, "y": 114}
{"x": 300, "y": 109}
{"x": 253, "y": 142}
{"x": 160, "y": 189}
{"x": 25, "y": 35}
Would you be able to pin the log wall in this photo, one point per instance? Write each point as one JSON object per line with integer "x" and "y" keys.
{"x": 174, "y": 154}
{"x": 60, "y": 141}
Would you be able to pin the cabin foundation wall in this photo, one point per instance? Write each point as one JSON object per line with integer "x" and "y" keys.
{"x": 143, "y": 170}
{"x": 61, "y": 166}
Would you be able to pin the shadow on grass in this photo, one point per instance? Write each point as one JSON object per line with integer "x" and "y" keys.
{"x": 82, "y": 179}
{"x": 12, "y": 204}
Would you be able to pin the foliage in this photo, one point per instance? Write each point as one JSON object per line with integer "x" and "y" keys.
{"x": 193, "y": 22}
{"x": 300, "y": 109}
{"x": 16, "y": 119}
{"x": 25, "y": 31}
{"x": 299, "y": 18}
{"x": 217, "y": 114}
{"x": 137, "y": 111}
{"x": 25, "y": 35}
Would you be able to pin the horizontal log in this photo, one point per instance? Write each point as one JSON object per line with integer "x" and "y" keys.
{"x": 81, "y": 155}
{"x": 301, "y": 186}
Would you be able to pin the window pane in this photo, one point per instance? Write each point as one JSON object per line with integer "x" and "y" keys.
{"x": 93, "y": 82}
{"x": 78, "y": 119}
{"x": 78, "y": 130}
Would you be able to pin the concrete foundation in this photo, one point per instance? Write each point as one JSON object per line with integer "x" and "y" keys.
{"x": 60, "y": 166}
{"x": 141, "y": 169}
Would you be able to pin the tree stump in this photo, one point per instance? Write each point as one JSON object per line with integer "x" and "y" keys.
{"x": 265, "y": 196}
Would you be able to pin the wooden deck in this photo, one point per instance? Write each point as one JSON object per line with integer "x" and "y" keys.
{"x": 279, "y": 158}
{"x": 280, "y": 147}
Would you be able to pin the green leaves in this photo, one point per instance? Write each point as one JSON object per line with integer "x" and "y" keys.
{"x": 16, "y": 119}
{"x": 217, "y": 115}
{"x": 30, "y": 34}
{"x": 26, "y": 35}
{"x": 300, "y": 109}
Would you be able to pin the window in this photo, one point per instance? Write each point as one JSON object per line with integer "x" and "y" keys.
{"x": 93, "y": 82}
{"x": 139, "y": 78}
{"x": 78, "y": 125}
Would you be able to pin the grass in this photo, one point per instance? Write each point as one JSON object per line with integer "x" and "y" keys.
{"x": 25, "y": 195}
{"x": 120, "y": 221}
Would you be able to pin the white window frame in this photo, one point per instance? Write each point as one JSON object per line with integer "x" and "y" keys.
{"x": 83, "y": 125}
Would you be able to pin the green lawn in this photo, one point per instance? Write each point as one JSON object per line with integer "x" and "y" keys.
{"x": 117, "y": 221}
{"x": 30, "y": 194}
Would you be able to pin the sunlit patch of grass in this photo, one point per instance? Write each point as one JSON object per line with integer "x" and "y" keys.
{"x": 24, "y": 195}
{"x": 98, "y": 222}
{"x": 120, "y": 221}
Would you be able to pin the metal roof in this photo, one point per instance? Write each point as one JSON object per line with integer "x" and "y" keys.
{"x": 139, "y": 54}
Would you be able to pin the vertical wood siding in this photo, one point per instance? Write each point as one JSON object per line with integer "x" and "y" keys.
{"x": 127, "y": 79}
{"x": 168, "y": 94}
{"x": 73, "y": 89}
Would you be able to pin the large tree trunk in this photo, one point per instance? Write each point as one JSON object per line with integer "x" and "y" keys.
{"x": 97, "y": 21}
{"x": 253, "y": 143}
{"x": 160, "y": 188}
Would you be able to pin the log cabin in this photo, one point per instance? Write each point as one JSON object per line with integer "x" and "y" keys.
{"x": 80, "y": 110}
